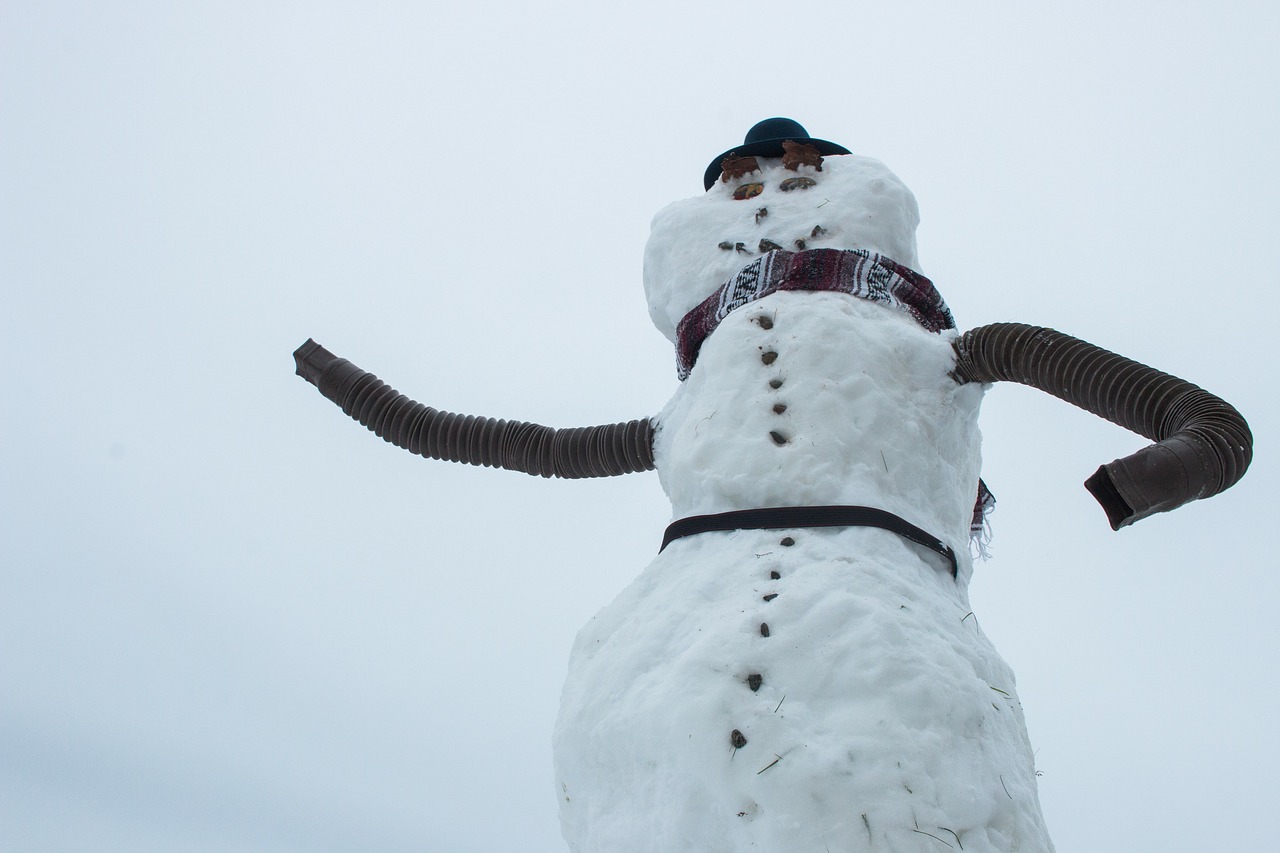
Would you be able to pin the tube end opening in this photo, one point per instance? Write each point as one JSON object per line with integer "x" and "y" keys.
{"x": 311, "y": 359}
{"x": 1104, "y": 491}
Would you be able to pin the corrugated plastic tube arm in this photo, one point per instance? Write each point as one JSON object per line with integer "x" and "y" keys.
{"x": 1203, "y": 445}
{"x": 601, "y": 451}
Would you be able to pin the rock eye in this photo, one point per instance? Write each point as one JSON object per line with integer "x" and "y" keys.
{"x": 746, "y": 191}
{"x": 801, "y": 183}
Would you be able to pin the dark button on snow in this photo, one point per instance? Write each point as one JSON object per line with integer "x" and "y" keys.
{"x": 737, "y": 739}
{"x": 774, "y": 576}
{"x": 800, "y": 183}
{"x": 769, "y": 357}
{"x": 787, "y": 542}
{"x": 778, "y": 438}
{"x": 775, "y": 383}
{"x": 764, "y": 629}
{"x": 764, "y": 321}
{"x": 771, "y": 596}
{"x": 779, "y": 408}
{"x": 754, "y": 680}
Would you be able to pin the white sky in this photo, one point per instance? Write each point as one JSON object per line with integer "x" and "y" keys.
{"x": 232, "y": 620}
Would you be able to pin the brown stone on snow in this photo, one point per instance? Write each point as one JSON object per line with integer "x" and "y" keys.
{"x": 734, "y": 166}
{"x": 797, "y": 154}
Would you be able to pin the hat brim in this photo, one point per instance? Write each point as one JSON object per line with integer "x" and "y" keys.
{"x": 769, "y": 148}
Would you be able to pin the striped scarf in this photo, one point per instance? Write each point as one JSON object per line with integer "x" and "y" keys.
{"x": 856, "y": 272}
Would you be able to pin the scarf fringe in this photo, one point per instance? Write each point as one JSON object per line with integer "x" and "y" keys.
{"x": 980, "y": 526}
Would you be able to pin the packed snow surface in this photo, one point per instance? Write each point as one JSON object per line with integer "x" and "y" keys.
{"x": 806, "y": 689}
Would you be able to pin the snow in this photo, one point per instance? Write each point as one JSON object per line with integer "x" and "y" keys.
{"x": 882, "y": 718}
{"x": 871, "y": 416}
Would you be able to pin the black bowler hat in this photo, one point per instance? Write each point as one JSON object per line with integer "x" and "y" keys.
{"x": 765, "y": 140}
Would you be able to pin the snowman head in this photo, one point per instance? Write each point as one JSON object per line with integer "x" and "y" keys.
{"x": 781, "y": 189}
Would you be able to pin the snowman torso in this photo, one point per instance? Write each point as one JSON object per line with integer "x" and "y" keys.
{"x": 809, "y": 689}
{"x": 822, "y": 398}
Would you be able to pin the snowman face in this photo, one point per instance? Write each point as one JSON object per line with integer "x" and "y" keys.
{"x": 697, "y": 244}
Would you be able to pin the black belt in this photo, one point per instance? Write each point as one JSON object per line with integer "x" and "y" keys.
{"x": 782, "y": 517}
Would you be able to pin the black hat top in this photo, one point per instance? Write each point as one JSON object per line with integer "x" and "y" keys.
{"x": 765, "y": 139}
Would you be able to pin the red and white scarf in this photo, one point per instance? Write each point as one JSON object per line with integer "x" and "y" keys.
{"x": 857, "y": 272}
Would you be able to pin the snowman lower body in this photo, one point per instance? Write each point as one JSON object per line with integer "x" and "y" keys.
{"x": 813, "y": 689}
{"x": 882, "y": 719}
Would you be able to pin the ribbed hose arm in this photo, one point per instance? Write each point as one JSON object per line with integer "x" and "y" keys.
{"x": 1203, "y": 445}
{"x": 600, "y": 451}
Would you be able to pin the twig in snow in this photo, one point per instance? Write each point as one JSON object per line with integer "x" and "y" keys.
{"x": 953, "y": 832}
{"x": 1006, "y": 788}
{"x": 934, "y": 837}
{"x": 770, "y": 764}
{"x": 780, "y": 701}
{"x": 867, "y": 824}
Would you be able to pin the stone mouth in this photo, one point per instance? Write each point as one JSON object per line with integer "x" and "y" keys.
{"x": 767, "y": 244}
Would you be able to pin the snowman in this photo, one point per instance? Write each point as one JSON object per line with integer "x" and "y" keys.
{"x": 798, "y": 668}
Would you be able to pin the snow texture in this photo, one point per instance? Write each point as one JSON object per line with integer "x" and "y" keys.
{"x": 807, "y": 689}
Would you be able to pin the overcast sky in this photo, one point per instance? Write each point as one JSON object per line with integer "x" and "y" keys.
{"x": 231, "y": 619}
